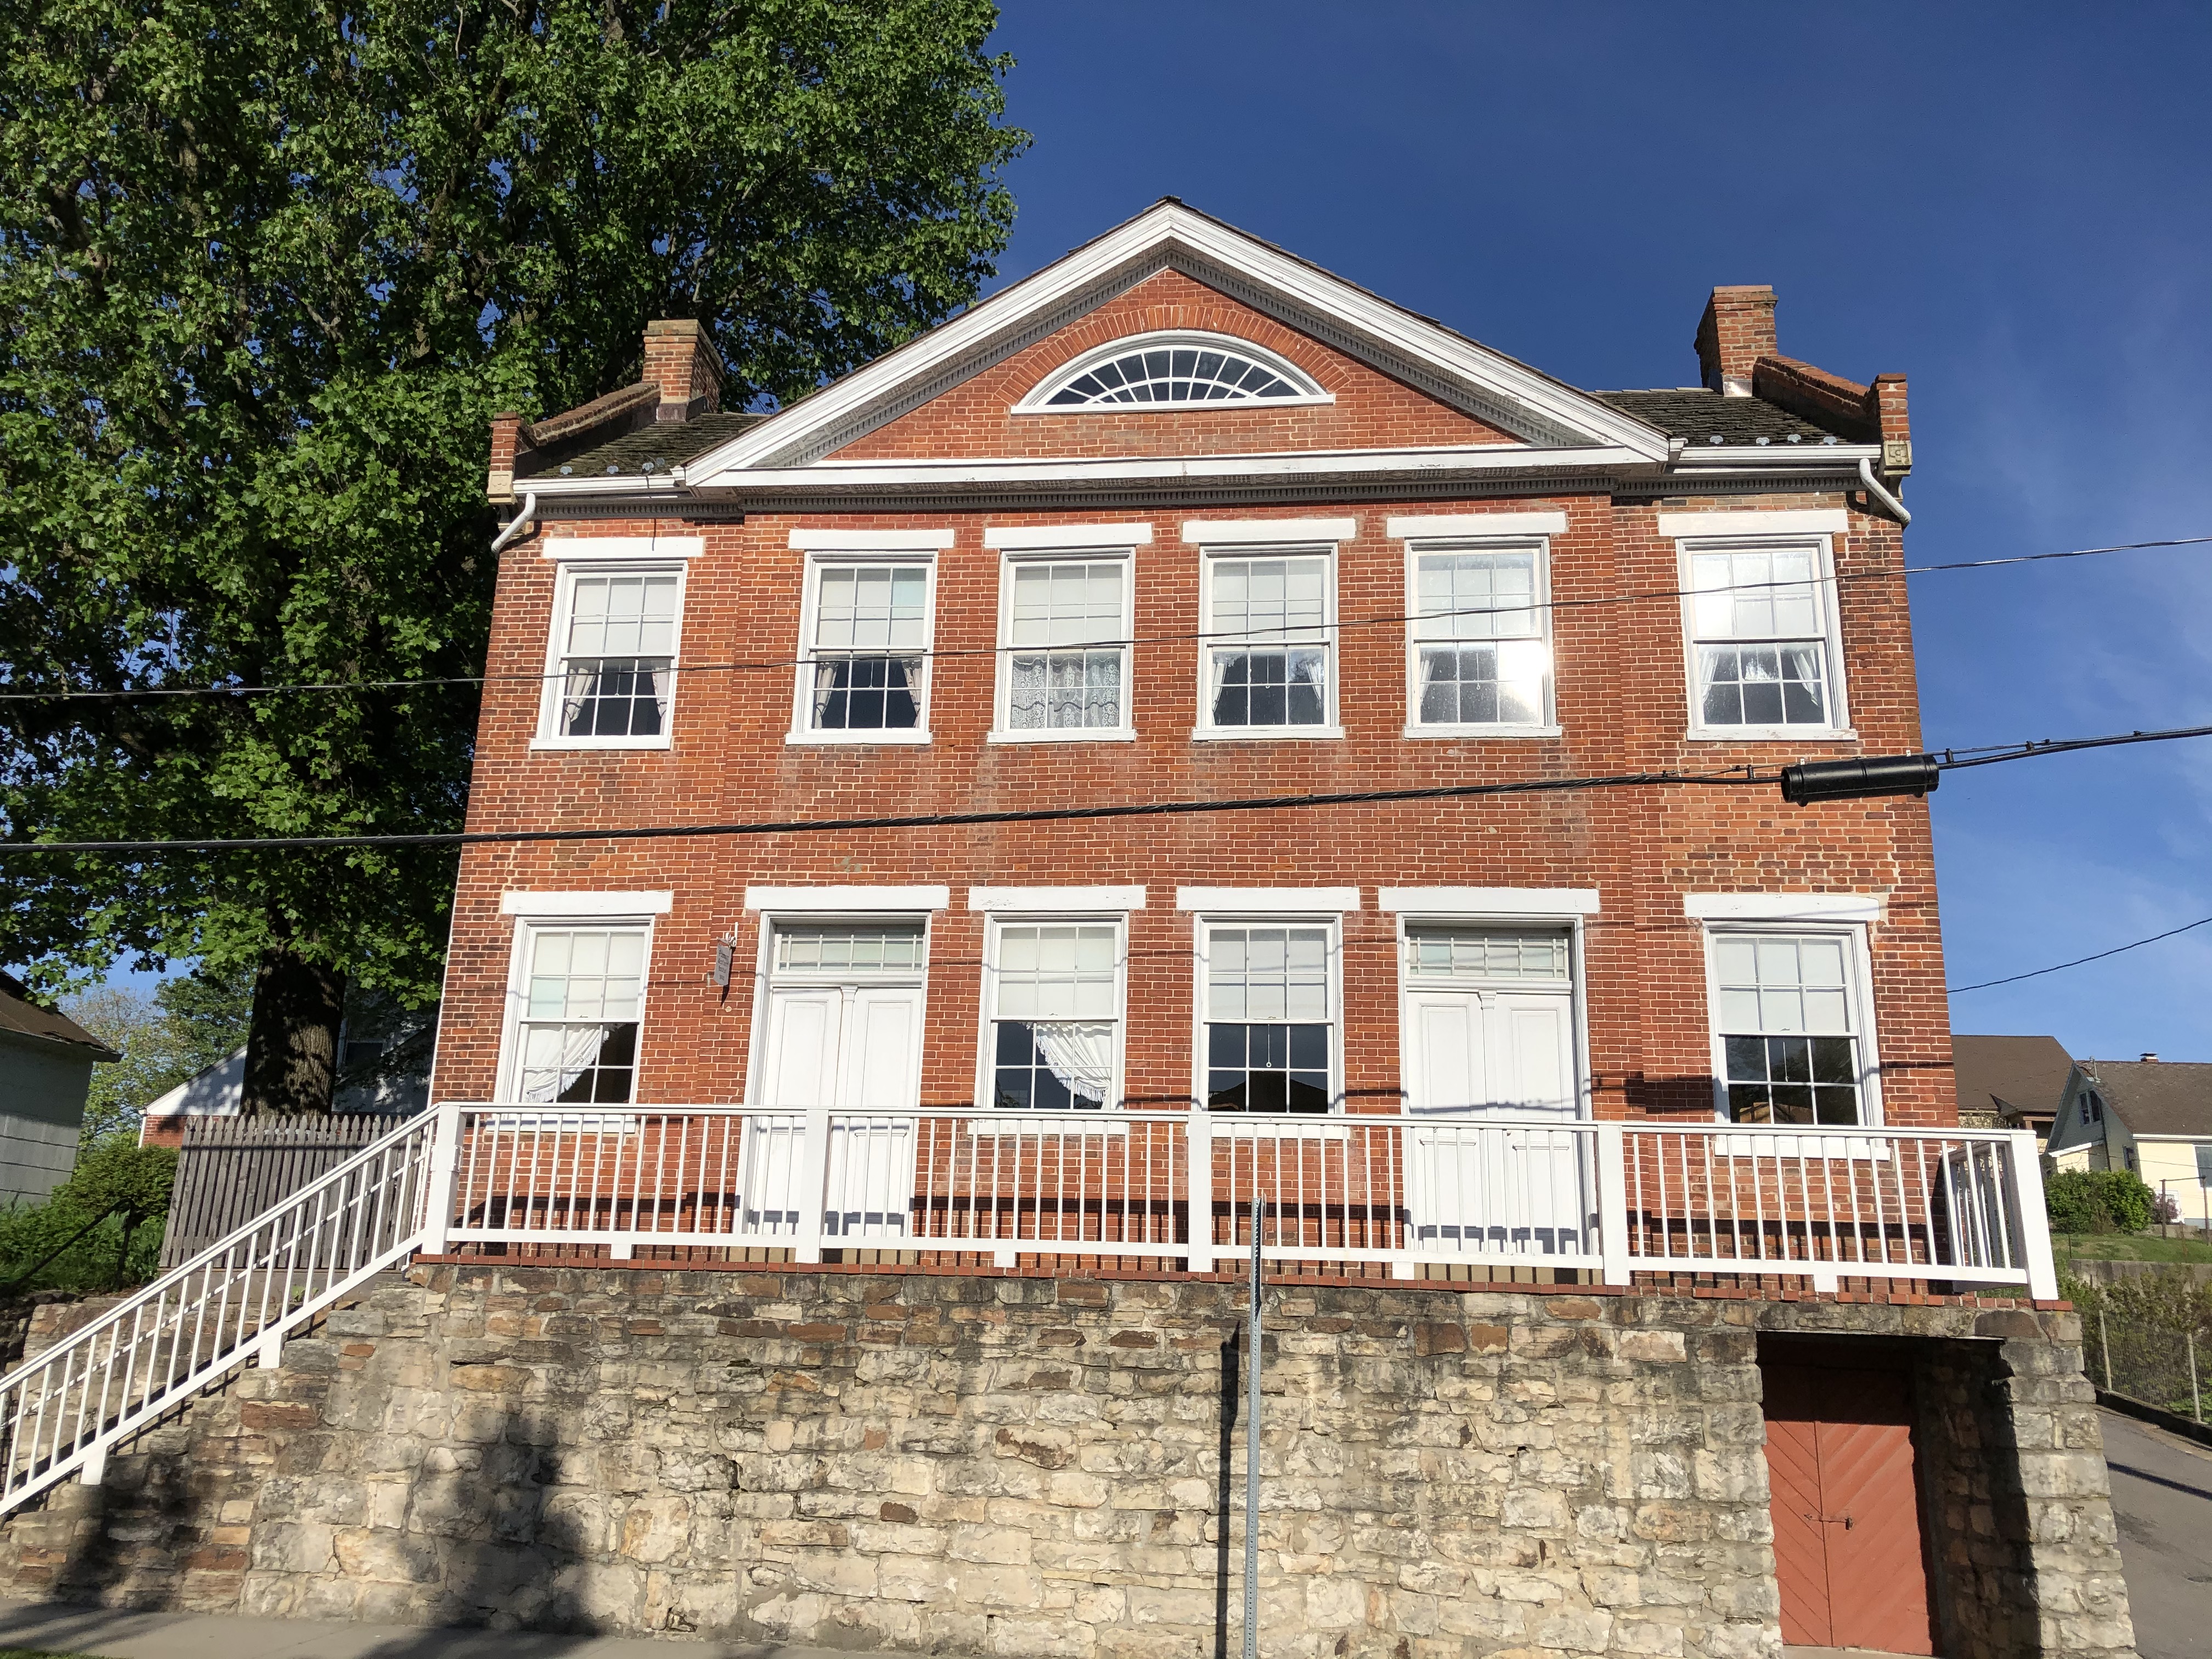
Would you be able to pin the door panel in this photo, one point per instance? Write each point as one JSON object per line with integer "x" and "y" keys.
{"x": 1848, "y": 1553}
{"x": 799, "y": 1072}
{"x": 871, "y": 1173}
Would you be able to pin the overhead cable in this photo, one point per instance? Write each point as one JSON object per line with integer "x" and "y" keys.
{"x": 2059, "y": 967}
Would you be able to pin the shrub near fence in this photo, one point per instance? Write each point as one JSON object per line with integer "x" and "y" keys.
{"x": 2149, "y": 1338}
{"x": 232, "y": 1168}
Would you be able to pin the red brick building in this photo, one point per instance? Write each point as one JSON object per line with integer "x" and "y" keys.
{"x": 1183, "y": 518}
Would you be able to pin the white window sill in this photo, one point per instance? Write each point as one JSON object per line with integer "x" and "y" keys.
{"x": 600, "y": 743}
{"x": 1465, "y": 732}
{"x": 1065, "y": 734}
{"x": 1773, "y": 734}
{"x": 1265, "y": 734}
{"x": 910, "y": 736}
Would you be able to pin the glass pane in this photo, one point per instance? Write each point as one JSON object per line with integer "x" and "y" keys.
{"x": 1268, "y": 1068}
{"x": 832, "y": 947}
{"x": 870, "y": 606}
{"x": 1477, "y": 953}
{"x": 1477, "y": 596}
{"x": 1780, "y": 983}
{"x": 1181, "y": 374}
{"x": 867, "y": 694}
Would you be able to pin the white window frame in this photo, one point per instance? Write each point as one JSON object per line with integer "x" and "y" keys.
{"x": 1202, "y": 925}
{"x": 1332, "y": 726}
{"x": 1011, "y": 559}
{"x": 1416, "y": 547}
{"x": 1107, "y": 1119}
{"x": 516, "y": 1008}
{"x": 554, "y": 688}
{"x": 1560, "y": 919}
{"x": 1826, "y": 595}
{"x": 844, "y": 558}
{"x": 1859, "y": 975}
{"x": 1038, "y": 400}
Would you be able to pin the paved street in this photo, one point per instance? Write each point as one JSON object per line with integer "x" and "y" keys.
{"x": 2162, "y": 1494}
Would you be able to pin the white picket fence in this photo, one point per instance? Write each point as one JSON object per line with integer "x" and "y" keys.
{"x": 1174, "y": 1191}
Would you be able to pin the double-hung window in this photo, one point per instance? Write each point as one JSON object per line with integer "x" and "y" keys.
{"x": 864, "y": 676}
{"x": 611, "y": 679}
{"x": 1764, "y": 647}
{"x": 1053, "y": 1014}
{"x": 578, "y": 1001}
{"x": 1267, "y": 664}
{"x": 1064, "y": 648}
{"x": 1481, "y": 658}
{"x": 1789, "y": 1024}
{"x": 1268, "y": 998}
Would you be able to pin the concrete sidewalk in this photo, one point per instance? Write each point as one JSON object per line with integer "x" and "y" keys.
{"x": 113, "y": 1634}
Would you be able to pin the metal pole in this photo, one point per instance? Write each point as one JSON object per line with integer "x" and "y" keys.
{"x": 2196, "y": 1398}
{"x": 1252, "y": 1455}
{"x": 2105, "y": 1341}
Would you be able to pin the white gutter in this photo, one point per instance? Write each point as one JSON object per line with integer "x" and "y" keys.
{"x": 521, "y": 521}
{"x": 1874, "y": 490}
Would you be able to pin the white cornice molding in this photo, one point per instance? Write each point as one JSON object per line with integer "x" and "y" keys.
{"x": 1010, "y": 901}
{"x": 514, "y": 902}
{"x": 1799, "y": 521}
{"x": 1267, "y": 901}
{"x": 1198, "y": 532}
{"x": 860, "y": 899}
{"x": 1171, "y": 235}
{"x": 1475, "y": 524}
{"x": 581, "y": 550}
{"x": 1028, "y": 538}
{"x": 872, "y": 541}
{"x": 1781, "y": 907}
{"x": 1490, "y": 900}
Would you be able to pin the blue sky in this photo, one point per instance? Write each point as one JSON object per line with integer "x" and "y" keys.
{"x": 2010, "y": 204}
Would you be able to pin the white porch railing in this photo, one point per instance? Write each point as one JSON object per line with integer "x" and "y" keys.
{"x": 1179, "y": 1188}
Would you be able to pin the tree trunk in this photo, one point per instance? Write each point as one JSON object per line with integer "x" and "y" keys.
{"x": 292, "y": 1042}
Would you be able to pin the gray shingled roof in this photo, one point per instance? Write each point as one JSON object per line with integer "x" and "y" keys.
{"x": 2019, "y": 1074}
{"x": 654, "y": 448}
{"x": 2156, "y": 1096}
{"x": 1696, "y": 415}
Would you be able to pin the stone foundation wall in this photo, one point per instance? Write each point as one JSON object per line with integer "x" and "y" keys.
{"x": 1030, "y": 1467}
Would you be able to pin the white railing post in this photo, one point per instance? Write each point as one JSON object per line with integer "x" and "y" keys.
{"x": 1198, "y": 1189}
{"x": 1613, "y": 1201}
{"x": 2034, "y": 1220}
{"x": 438, "y": 1193}
{"x": 813, "y": 1186}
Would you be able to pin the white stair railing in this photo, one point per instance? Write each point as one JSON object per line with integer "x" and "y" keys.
{"x": 235, "y": 1300}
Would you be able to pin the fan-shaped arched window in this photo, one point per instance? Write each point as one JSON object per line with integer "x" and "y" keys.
{"x": 1176, "y": 371}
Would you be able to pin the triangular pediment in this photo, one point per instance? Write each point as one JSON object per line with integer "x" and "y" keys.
{"x": 1505, "y": 402}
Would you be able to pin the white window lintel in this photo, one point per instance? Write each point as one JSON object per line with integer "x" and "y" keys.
{"x": 1781, "y": 907}
{"x": 862, "y": 899}
{"x": 1476, "y": 524}
{"x": 1789, "y": 522}
{"x": 872, "y": 541}
{"x": 1220, "y": 531}
{"x": 1054, "y": 900}
{"x": 514, "y": 902}
{"x": 1051, "y": 538}
{"x": 1267, "y": 901}
{"x": 1490, "y": 900}
{"x": 582, "y": 550}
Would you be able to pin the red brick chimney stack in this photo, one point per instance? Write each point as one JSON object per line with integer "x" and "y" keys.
{"x": 683, "y": 361}
{"x": 1736, "y": 330}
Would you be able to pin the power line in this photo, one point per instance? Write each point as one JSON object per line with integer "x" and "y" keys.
{"x": 2038, "y": 973}
{"x": 1288, "y": 634}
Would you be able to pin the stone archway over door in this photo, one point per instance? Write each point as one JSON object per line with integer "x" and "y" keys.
{"x": 1849, "y": 1551}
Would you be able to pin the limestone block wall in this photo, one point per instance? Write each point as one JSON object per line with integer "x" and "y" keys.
{"x": 1031, "y": 1467}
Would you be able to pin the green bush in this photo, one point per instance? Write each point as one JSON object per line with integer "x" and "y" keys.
{"x": 2098, "y": 1201}
{"x": 100, "y": 1231}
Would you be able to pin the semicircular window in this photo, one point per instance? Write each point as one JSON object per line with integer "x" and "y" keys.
{"x": 1177, "y": 373}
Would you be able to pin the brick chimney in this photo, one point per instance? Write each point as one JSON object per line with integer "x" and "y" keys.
{"x": 683, "y": 361}
{"x": 509, "y": 440}
{"x": 1736, "y": 330}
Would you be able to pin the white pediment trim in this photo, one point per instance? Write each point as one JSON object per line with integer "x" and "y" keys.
{"x": 1541, "y": 412}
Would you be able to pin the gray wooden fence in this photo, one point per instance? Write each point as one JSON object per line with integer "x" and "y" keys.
{"x": 231, "y": 1169}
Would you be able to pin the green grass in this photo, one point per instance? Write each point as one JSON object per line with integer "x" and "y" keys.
{"x": 2114, "y": 1247}
{"x": 39, "y": 1653}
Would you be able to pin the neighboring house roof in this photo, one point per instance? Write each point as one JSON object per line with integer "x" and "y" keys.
{"x": 2010, "y": 1073}
{"x": 212, "y": 1091}
{"x": 22, "y": 1018}
{"x": 1699, "y": 416}
{"x": 2155, "y": 1097}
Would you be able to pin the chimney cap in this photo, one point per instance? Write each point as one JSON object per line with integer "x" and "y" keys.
{"x": 2151, "y": 1054}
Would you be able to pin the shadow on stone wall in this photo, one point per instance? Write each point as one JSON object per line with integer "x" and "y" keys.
{"x": 1225, "y": 1500}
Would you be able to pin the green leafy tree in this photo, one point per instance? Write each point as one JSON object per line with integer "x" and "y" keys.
{"x": 188, "y": 1023}
{"x": 267, "y": 267}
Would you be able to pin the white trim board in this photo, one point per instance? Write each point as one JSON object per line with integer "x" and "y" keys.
{"x": 1025, "y": 537}
{"x": 1014, "y": 900}
{"x": 577, "y": 549}
{"x": 1795, "y": 522}
{"x": 1215, "y": 530}
{"x": 514, "y": 902}
{"x": 863, "y": 899}
{"x": 1257, "y": 900}
{"x": 1476, "y": 524}
{"x": 1490, "y": 900}
{"x": 1781, "y": 907}
{"x": 872, "y": 541}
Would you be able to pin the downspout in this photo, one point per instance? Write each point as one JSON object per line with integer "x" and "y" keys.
{"x": 1873, "y": 488}
{"x": 528, "y": 516}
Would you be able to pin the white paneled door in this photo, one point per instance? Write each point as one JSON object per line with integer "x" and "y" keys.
{"x": 1477, "y": 1053}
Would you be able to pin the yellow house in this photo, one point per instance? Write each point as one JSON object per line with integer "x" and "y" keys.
{"x": 2149, "y": 1115}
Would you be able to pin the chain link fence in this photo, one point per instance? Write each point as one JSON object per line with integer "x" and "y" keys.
{"x": 2149, "y": 1338}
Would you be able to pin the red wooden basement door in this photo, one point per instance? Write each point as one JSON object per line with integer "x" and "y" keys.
{"x": 1847, "y": 1544}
